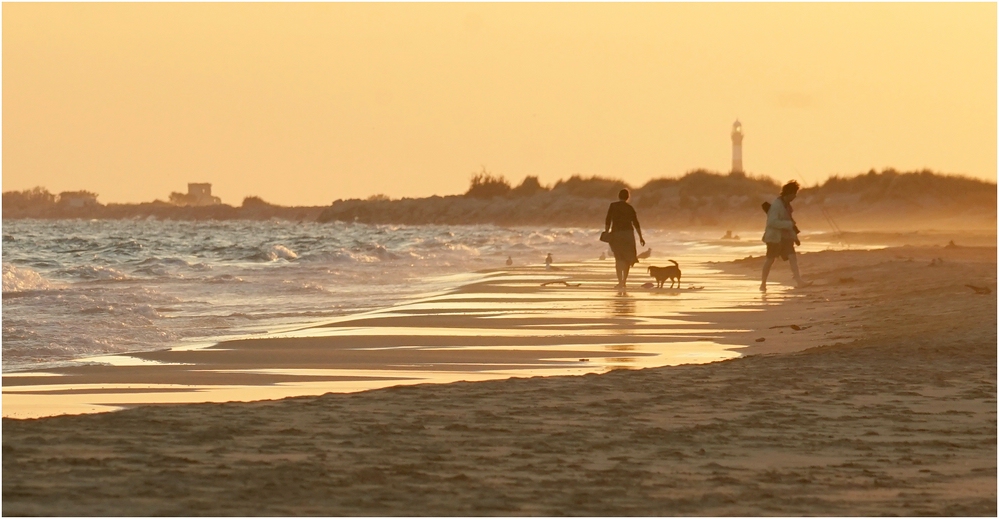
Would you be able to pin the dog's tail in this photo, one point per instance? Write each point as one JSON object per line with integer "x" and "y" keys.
{"x": 675, "y": 263}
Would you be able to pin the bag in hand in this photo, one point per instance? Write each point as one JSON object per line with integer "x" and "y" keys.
{"x": 605, "y": 237}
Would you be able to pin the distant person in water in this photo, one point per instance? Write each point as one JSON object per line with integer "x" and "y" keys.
{"x": 509, "y": 260}
{"x": 781, "y": 234}
{"x": 548, "y": 261}
{"x": 622, "y": 222}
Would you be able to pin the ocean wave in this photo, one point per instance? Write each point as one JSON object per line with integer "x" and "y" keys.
{"x": 164, "y": 261}
{"x": 225, "y": 278}
{"x": 22, "y": 279}
{"x": 333, "y": 256}
{"x": 293, "y": 286}
{"x": 125, "y": 246}
{"x": 96, "y": 272}
{"x": 158, "y": 272}
{"x": 136, "y": 285}
{"x": 284, "y": 252}
{"x": 433, "y": 243}
{"x": 380, "y": 252}
{"x": 11, "y": 332}
{"x": 274, "y": 253}
{"x": 75, "y": 244}
{"x": 168, "y": 267}
{"x": 536, "y": 238}
{"x": 137, "y": 313}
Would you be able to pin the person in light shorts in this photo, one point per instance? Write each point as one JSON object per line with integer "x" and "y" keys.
{"x": 781, "y": 234}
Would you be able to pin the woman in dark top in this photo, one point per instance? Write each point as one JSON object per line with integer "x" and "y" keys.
{"x": 622, "y": 222}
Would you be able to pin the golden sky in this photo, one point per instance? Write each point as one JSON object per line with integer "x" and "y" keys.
{"x": 307, "y": 103}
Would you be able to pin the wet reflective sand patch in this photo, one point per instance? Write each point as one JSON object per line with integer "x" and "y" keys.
{"x": 498, "y": 324}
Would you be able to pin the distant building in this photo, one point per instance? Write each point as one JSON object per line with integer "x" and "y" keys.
{"x": 78, "y": 199}
{"x": 201, "y": 194}
{"x": 197, "y": 194}
{"x": 737, "y": 147}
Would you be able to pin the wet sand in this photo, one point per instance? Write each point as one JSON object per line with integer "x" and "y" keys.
{"x": 873, "y": 392}
{"x": 523, "y": 321}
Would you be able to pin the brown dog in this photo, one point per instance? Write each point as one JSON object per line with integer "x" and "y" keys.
{"x": 663, "y": 273}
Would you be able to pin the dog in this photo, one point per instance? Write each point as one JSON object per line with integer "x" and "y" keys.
{"x": 663, "y": 273}
{"x": 646, "y": 254}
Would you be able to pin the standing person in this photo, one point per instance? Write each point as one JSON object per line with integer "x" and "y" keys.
{"x": 781, "y": 234}
{"x": 622, "y": 222}
{"x": 548, "y": 261}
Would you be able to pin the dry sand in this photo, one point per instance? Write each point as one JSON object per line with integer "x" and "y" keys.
{"x": 889, "y": 409}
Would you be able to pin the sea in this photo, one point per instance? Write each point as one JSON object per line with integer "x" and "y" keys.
{"x": 78, "y": 289}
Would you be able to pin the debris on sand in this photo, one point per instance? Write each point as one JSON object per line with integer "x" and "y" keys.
{"x": 566, "y": 283}
{"x": 794, "y": 327}
{"x": 761, "y": 339}
{"x": 980, "y": 290}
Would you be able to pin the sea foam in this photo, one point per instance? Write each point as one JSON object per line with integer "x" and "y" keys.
{"x": 21, "y": 279}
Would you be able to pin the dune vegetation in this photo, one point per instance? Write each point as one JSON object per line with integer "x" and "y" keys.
{"x": 700, "y": 198}
{"x": 887, "y": 199}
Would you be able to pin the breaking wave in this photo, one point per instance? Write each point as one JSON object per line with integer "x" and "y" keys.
{"x": 22, "y": 279}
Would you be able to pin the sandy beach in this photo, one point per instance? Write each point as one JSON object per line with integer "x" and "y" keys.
{"x": 872, "y": 392}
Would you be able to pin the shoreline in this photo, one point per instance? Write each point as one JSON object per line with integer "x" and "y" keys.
{"x": 891, "y": 411}
{"x": 521, "y": 321}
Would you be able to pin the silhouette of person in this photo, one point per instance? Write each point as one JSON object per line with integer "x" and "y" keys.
{"x": 548, "y": 261}
{"x": 603, "y": 256}
{"x": 622, "y": 222}
{"x": 781, "y": 234}
{"x": 509, "y": 260}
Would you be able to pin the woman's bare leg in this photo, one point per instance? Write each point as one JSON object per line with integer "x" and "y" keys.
{"x": 793, "y": 260}
{"x": 624, "y": 276}
{"x": 766, "y": 272}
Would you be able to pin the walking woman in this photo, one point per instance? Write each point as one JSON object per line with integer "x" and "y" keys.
{"x": 622, "y": 222}
{"x": 781, "y": 234}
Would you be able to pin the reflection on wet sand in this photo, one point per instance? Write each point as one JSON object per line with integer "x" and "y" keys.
{"x": 623, "y": 305}
{"x": 501, "y": 324}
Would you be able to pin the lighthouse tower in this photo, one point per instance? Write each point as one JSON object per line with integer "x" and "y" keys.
{"x": 737, "y": 147}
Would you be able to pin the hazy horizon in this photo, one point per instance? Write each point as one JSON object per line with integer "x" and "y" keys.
{"x": 302, "y": 104}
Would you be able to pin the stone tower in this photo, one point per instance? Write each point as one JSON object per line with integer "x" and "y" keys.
{"x": 737, "y": 147}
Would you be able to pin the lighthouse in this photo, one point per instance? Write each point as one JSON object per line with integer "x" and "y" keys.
{"x": 737, "y": 147}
